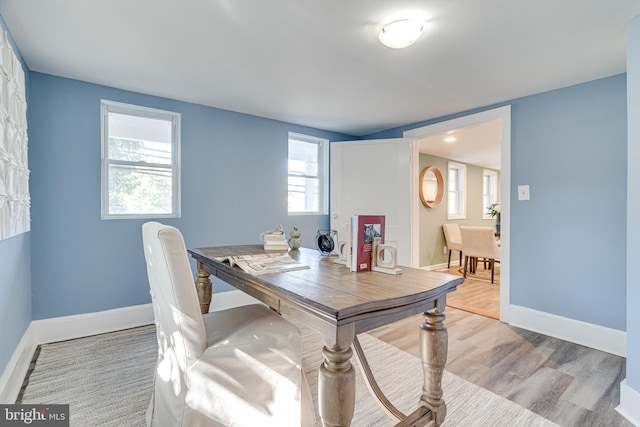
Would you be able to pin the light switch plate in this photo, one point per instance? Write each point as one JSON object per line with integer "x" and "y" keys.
{"x": 523, "y": 192}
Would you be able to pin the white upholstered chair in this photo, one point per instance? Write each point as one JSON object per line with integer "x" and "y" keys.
{"x": 453, "y": 239}
{"x": 480, "y": 242}
{"x": 236, "y": 367}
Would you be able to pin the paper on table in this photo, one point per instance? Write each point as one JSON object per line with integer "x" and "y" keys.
{"x": 258, "y": 264}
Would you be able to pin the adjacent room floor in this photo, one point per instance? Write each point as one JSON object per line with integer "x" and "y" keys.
{"x": 477, "y": 294}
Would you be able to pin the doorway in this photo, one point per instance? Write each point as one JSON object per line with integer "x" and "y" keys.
{"x": 503, "y": 115}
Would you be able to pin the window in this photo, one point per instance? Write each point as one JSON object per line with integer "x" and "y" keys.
{"x": 489, "y": 191}
{"x": 140, "y": 162}
{"x": 308, "y": 175}
{"x": 456, "y": 207}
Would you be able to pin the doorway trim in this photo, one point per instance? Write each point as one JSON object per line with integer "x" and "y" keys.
{"x": 504, "y": 115}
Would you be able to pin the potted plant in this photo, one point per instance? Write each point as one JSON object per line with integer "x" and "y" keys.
{"x": 494, "y": 212}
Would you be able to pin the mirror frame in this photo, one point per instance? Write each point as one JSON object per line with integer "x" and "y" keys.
{"x": 440, "y": 184}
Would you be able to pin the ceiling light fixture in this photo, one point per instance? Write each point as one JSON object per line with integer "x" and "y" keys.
{"x": 450, "y": 139}
{"x": 402, "y": 33}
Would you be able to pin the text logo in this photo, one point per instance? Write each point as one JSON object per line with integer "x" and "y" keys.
{"x": 34, "y": 415}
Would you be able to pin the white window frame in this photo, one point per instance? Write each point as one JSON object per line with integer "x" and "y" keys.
{"x": 322, "y": 175}
{"x": 492, "y": 193}
{"x": 461, "y": 193}
{"x": 106, "y": 107}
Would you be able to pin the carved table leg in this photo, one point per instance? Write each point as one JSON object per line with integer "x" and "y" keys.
{"x": 337, "y": 384}
{"x": 203, "y": 286}
{"x": 434, "y": 340}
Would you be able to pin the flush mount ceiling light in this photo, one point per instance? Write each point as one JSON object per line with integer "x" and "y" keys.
{"x": 402, "y": 33}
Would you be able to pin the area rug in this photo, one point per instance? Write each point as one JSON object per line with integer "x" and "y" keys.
{"x": 107, "y": 379}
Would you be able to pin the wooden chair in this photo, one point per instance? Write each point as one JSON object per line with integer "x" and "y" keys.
{"x": 453, "y": 239}
{"x": 480, "y": 242}
{"x": 235, "y": 367}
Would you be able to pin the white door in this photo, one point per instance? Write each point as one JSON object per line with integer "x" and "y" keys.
{"x": 374, "y": 178}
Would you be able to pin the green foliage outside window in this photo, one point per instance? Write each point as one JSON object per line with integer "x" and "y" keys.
{"x": 137, "y": 188}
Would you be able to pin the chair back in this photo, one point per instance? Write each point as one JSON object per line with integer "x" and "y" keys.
{"x": 179, "y": 324}
{"x": 479, "y": 242}
{"x": 453, "y": 236}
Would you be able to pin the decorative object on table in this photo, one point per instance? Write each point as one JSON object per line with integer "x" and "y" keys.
{"x": 274, "y": 239}
{"x": 344, "y": 249}
{"x": 342, "y": 252}
{"x": 494, "y": 212}
{"x": 431, "y": 186}
{"x": 384, "y": 258}
{"x": 326, "y": 242}
{"x": 294, "y": 238}
{"x": 363, "y": 229}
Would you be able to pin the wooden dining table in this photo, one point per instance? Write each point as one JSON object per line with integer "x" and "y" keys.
{"x": 340, "y": 304}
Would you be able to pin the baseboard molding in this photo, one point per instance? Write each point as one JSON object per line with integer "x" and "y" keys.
{"x": 441, "y": 266}
{"x": 16, "y": 369}
{"x": 602, "y": 338}
{"x": 83, "y": 325}
{"x": 629, "y": 403}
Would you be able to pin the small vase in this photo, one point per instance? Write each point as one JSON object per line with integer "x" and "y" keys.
{"x": 498, "y": 224}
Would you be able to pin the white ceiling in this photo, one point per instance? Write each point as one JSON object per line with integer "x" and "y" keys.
{"x": 318, "y": 62}
{"x": 477, "y": 145}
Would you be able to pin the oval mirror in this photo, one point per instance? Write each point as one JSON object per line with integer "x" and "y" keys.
{"x": 431, "y": 186}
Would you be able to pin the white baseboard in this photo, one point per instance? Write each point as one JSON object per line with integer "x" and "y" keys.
{"x": 83, "y": 325}
{"x": 437, "y": 266}
{"x": 629, "y": 403}
{"x": 14, "y": 372}
{"x": 602, "y": 338}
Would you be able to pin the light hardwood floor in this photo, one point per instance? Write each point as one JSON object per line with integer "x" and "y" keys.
{"x": 477, "y": 294}
{"x": 566, "y": 383}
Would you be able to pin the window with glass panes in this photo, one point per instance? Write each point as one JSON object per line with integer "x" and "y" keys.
{"x": 456, "y": 191}
{"x": 140, "y": 162}
{"x": 489, "y": 191}
{"x": 308, "y": 174}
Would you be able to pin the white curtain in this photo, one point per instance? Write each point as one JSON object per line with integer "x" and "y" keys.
{"x": 14, "y": 172}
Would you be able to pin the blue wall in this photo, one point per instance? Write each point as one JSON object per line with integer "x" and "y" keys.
{"x": 15, "y": 275}
{"x": 15, "y": 293}
{"x": 568, "y": 243}
{"x": 234, "y": 185}
{"x": 633, "y": 206}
